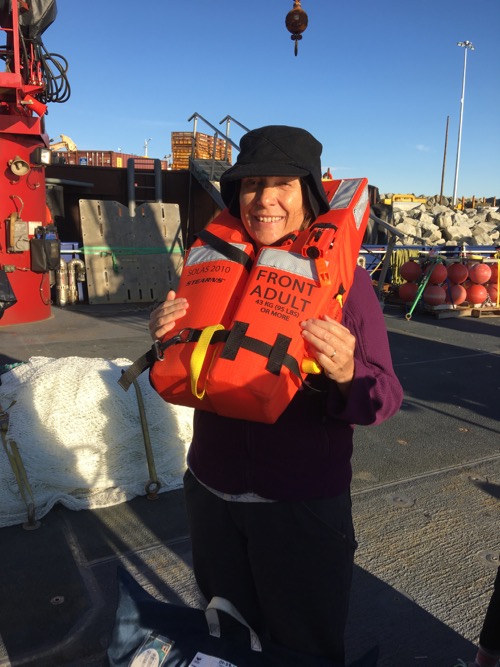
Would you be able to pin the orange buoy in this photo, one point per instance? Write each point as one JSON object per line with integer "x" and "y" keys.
{"x": 410, "y": 271}
{"x": 407, "y": 292}
{"x": 438, "y": 274}
{"x": 434, "y": 295}
{"x": 456, "y": 294}
{"x": 492, "y": 290}
{"x": 458, "y": 273}
{"x": 494, "y": 273}
{"x": 477, "y": 293}
{"x": 480, "y": 273}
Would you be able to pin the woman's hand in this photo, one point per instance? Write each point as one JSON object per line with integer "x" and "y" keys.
{"x": 332, "y": 345}
{"x": 163, "y": 318}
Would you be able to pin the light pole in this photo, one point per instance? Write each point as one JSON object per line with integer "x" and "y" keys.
{"x": 466, "y": 46}
{"x": 146, "y": 142}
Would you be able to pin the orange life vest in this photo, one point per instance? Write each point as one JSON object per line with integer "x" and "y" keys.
{"x": 239, "y": 351}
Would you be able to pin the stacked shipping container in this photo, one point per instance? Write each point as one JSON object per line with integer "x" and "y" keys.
{"x": 103, "y": 159}
{"x": 200, "y": 146}
{"x": 184, "y": 145}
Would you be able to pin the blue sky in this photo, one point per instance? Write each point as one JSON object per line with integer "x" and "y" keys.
{"x": 373, "y": 81}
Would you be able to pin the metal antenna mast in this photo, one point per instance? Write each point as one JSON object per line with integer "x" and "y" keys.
{"x": 467, "y": 46}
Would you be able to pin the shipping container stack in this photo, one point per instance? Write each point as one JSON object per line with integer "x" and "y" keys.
{"x": 103, "y": 159}
{"x": 182, "y": 148}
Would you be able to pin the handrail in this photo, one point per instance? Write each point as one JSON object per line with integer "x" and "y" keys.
{"x": 228, "y": 120}
{"x": 217, "y": 133}
{"x": 196, "y": 115}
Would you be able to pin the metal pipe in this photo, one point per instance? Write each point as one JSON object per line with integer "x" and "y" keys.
{"x": 158, "y": 181}
{"x": 214, "y": 151}
{"x": 73, "y": 265}
{"x": 422, "y": 286}
{"x": 444, "y": 159}
{"x": 65, "y": 181}
{"x": 195, "y": 126}
{"x": 195, "y": 116}
{"x": 131, "y": 186}
{"x": 229, "y": 118}
{"x": 467, "y": 45}
{"x": 153, "y": 486}
{"x": 62, "y": 283}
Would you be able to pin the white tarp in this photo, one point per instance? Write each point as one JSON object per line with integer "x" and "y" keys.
{"x": 80, "y": 438}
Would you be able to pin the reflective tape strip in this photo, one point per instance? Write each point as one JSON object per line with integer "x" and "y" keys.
{"x": 360, "y": 208}
{"x": 289, "y": 262}
{"x": 345, "y": 193}
{"x": 205, "y": 253}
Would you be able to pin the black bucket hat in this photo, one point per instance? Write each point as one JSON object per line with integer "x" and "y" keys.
{"x": 277, "y": 150}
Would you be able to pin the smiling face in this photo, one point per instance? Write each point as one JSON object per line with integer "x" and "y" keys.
{"x": 271, "y": 207}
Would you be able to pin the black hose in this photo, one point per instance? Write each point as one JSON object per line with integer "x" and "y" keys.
{"x": 53, "y": 69}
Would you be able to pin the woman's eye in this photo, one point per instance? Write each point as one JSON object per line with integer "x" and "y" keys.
{"x": 250, "y": 184}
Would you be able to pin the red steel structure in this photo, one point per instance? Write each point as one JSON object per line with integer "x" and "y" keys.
{"x": 25, "y": 90}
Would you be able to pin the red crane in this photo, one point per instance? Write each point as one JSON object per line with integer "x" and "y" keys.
{"x": 32, "y": 78}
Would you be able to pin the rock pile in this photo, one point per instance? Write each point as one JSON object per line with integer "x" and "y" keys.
{"x": 432, "y": 223}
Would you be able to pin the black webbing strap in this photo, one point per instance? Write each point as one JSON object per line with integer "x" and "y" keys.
{"x": 138, "y": 367}
{"x": 234, "y": 339}
{"x": 155, "y": 353}
{"x": 277, "y": 354}
{"x": 225, "y": 248}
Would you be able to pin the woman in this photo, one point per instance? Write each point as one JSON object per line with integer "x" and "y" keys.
{"x": 488, "y": 650}
{"x": 269, "y": 505}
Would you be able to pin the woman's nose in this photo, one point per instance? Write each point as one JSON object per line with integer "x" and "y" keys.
{"x": 266, "y": 194}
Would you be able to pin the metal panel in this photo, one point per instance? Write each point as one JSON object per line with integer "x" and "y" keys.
{"x": 129, "y": 259}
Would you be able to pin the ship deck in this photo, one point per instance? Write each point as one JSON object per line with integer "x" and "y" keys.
{"x": 426, "y": 498}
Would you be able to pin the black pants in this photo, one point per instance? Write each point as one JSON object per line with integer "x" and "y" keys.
{"x": 286, "y": 566}
{"x": 490, "y": 633}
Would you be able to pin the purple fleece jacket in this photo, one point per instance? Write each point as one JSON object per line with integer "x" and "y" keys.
{"x": 307, "y": 452}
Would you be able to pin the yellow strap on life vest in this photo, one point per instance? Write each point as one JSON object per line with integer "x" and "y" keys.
{"x": 198, "y": 358}
{"x": 310, "y": 366}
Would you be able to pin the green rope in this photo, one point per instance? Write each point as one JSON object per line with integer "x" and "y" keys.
{"x": 125, "y": 251}
{"x": 399, "y": 257}
{"x": 8, "y": 367}
{"x": 119, "y": 250}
